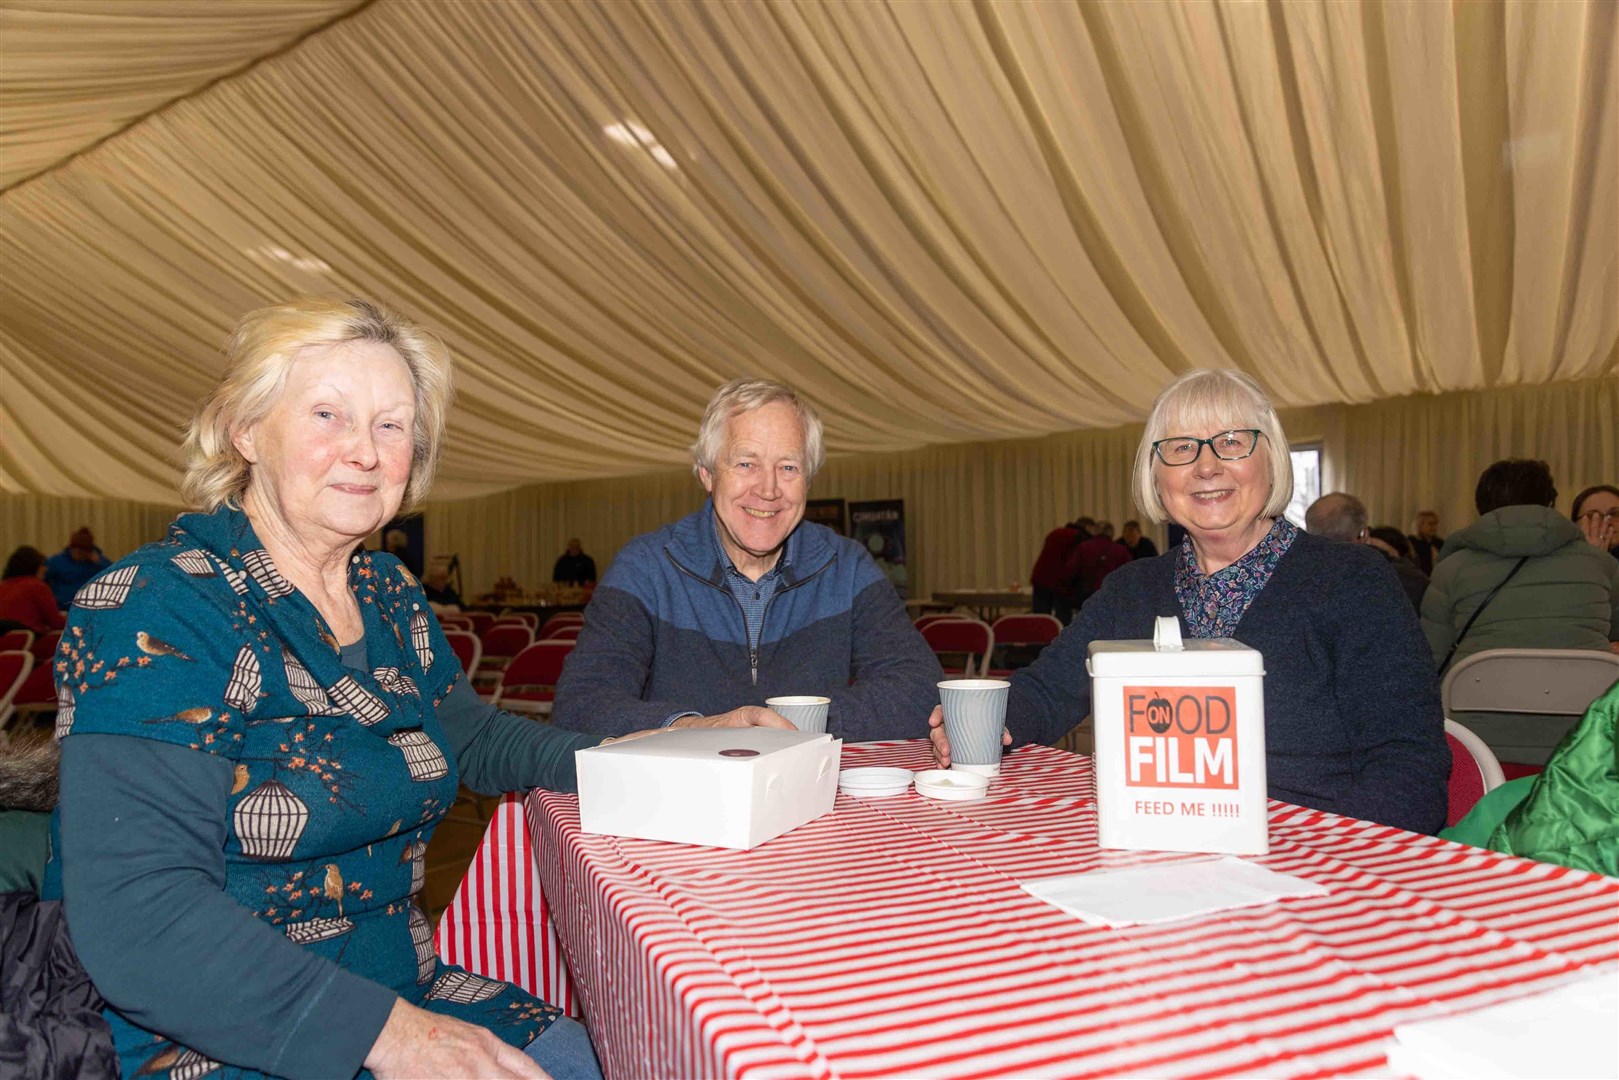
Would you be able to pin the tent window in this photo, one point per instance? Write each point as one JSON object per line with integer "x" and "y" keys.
{"x": 1306, "y": 480}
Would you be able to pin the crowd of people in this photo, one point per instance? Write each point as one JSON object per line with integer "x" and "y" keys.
{"x": 261, "y": 723}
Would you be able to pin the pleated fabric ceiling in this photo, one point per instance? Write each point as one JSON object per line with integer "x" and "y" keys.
{"x": 944, "y": 221}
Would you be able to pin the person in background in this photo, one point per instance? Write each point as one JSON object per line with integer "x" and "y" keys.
{"x": 261, "y": 726}
{"x": 1425, "y": 541}
{"x": 25, "y": 599}
{"x": 1396, "y": 546}
{"x": 1095, "y": 558}
{"x": 1341, "y": 516}
{"x": 574, "y": 567}
{"x": 1353, "y": 723}
{"x": 70, "y": 569}
{"x": 436, "y": 585}
{"x": 1052, "y": 577}
{"x": 698, "y": 623}
{"x": 1596, "y": 512}
{"x": 1138, "y": 545}
{"x": 396, "y": 542}
{"x": 1521, "y": 576}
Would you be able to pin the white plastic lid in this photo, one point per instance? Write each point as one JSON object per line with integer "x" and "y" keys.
{"x": 1197, "y": 657}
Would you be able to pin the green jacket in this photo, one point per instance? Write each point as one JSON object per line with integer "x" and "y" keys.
{"x": 1565, "y": 597}
{"x": 1571, "y": 816}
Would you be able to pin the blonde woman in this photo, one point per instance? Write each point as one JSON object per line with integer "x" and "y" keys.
{"x": 261, "y": 726}
{"x": 1352, "y": 715}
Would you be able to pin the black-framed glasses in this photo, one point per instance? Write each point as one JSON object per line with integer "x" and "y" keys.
{"x": 1233, "y": 445}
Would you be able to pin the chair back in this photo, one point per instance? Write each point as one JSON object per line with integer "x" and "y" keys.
{"x": 1563, "y": 682}
{"x": 923, "y": 621}
{"x": 968, "y": 638}
{"x": 16, "y": 639}
{"x": 527, "y": 618}
{"x": 561, "y": 618}
{"x": 1026, "y": 629}
{"x": 15, "y": 664}
{"x": 1474, "y": 772}
{"x": 502, "y": 641}
{"x": 570, "y": 632}
{"x": 529, "y": 683}
{"x": 457, "y": 620}
{"x": 468, "y": 649}
{"x": 44, "y": 646}
{"x": 481, "y": 621}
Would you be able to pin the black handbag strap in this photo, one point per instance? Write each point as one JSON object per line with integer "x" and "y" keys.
{"x": 1479, "y": 611}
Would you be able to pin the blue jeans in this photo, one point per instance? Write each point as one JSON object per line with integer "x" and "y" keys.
{"x": 564, "y": 1051}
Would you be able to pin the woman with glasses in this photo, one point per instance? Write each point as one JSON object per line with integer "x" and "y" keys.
{"x": 1596, "y": 512}
{"x": 1352, "y": 716}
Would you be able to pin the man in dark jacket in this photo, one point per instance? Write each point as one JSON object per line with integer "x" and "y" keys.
{"x": 574, "y": 567}
{"x": 700, "y": 622}
{"x": 1340, "y": 516}
{"x": 70, "y": 569}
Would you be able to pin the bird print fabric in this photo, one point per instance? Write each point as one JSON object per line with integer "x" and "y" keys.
{"x": 340, "y": 775}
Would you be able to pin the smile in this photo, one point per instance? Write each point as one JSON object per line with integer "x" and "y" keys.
{"x": 1210, "y": 496}
{"x": 751, "y": 512}
{"x": 356, "y": 489}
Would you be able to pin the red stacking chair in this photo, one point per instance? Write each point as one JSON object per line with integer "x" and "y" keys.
{"x": 923, "y": 621}
{"x": 527, "y": 618}
{"x": 44, "y": 647}
{"x": 564, "y": 633}
{"x": 1032, "y": 632}
{"x": 451, "y": 620}
{"x": 15, "y": 664}
{"x": 501, "y": 642}
{"x": 1474, "y": 772}
{"x": 481, "y": 621}
{"x": 967, "y": 638}
{"x": 529, "y": 683}
{"x": 468, "y": 649}
{"x": 16, "y": 641}
{"x": 560, "y": 619}
{"x": 38, "y": 692}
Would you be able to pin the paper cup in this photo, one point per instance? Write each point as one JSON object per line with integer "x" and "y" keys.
{"x": 805, "y": 713}
{"x": 974, "y": 717}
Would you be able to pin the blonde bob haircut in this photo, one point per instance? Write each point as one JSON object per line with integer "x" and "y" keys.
{"x": 257, "y": 357}
{"x": 745, "y": 395}
{"x": 1208, "y": 400}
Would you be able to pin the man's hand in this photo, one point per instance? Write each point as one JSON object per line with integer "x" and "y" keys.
{"x": 746, "y": 716}
{"x": 941, "y": 742}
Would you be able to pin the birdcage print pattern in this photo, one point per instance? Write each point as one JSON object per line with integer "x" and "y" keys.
{"x": 108, "y": 591}
{"x": 269, "y": 821}
{"x": 415, "y": 853}
{"x": 260, "y": 565}
{"x": 305, "y": 688}
{"x": 421, "y": 638}
{"x": 237, "y": 579}
{"x": 356, "y": 699}
{"x": 195, "y": 562}
{"x": 246, "y": 681}
{"x": 313, "y": 930}
{"x": 190, "y": 1065}
{"x": 421, "y": 936}
{"x": 464, "y": 988}
{"x": 422, "y": 755}
{"x": 396, "y": 681}
{"x": 64, "y": 709}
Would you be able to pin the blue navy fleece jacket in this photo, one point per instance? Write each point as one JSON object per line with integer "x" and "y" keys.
{"x": 664, "y": 635}
{"x": 1353, "y": 722}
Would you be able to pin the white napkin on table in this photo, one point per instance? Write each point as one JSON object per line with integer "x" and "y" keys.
{"x": 1569, "y": 1032}
{"x": 1161, "y": 892}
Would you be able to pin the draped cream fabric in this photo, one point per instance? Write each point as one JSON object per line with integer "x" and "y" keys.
{"x": 976, "y": 513}
{"x": 947, "y": 222}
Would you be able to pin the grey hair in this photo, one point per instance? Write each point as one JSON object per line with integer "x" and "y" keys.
{"x": 1213, "y": 399}
{"x": 745, "y": 395}
{"x": 1337, "y": 516}
{"x": 259, "y": 354}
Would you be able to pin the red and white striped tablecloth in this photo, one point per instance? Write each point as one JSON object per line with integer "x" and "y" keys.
{"x": 891, "y": 938}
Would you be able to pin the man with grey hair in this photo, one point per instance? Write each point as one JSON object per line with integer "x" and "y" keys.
{"x": 702, "y": 621}
{"x": 1341, "y": 516}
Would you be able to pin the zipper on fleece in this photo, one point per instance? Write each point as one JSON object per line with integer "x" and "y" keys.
{"x": 753, "y": 646}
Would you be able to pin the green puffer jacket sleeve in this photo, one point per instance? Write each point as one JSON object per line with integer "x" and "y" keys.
{"x": 1572, "y": 815}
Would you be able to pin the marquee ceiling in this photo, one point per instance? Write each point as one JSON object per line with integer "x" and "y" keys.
{"x": 945, "y": 221}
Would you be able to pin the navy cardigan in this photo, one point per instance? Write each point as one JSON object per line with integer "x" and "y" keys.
{"x": 1353, "y": 722}
{"x": 664, "y": 635}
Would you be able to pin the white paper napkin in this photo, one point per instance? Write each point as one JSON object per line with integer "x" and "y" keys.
{"x": 1162, "y": 892}
{"x": 1569, "y": 1032}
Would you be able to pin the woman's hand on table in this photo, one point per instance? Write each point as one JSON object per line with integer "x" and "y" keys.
{"x": 418, "y": 1043}
{"x": 941, "y": 742}
{"x": 746, "y": 716}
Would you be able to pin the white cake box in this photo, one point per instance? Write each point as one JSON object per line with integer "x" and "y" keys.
{"x": 721, "y": 787}
{"x": 1180, "y": 744}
